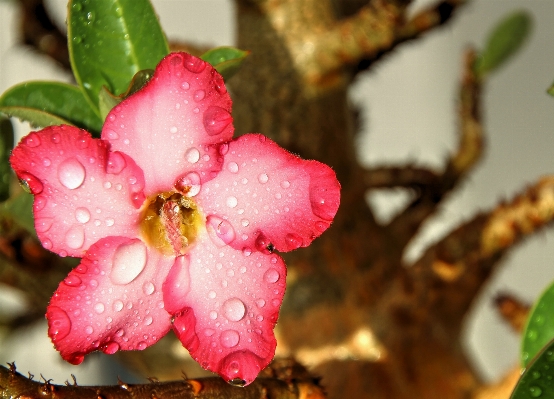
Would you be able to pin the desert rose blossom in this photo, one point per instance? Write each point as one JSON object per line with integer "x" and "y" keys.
{"x": 175, "y": 222}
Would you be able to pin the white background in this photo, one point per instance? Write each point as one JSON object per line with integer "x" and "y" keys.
{"x": 408, "y": 102}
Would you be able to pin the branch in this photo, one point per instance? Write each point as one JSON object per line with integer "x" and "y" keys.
{"x": 15, "y": 385}
{"x": 468, "y": 153}
{"x": 400, "y": 176}
{"x": 513, "y": 311}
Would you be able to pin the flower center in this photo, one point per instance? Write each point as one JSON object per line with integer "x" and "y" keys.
{"x": 170, "y": 222}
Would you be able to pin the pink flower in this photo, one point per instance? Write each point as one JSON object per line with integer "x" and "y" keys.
{"x": 175, "y": 221}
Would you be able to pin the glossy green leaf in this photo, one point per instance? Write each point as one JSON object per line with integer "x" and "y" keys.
{"x": 110, "y": 41}
{"x": 504, "y": 41}
{"x": 107, "y": 100}
{"x": 6, "y": 145}
{"x": 226, "y": 60}
{"x": 53, "y": 103}
{"x": 538, "y": 379}
{"x": 540, "y": 326}
{"x": 19, "y": 208}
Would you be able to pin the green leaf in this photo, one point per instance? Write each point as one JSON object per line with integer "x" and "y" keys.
{"x": 537, "y": 379}
{"x": 54, "y": 103}
{"x": 226, "y": 60}
{"x": 110, "y": 41}
{"x": 19, "y": 208}
{"x": 504, "y": 41}
{"x": 540, "y": 326}
{"x": 107, "y": 100}
{"x": 550, "y": 90}
{"x": 6, "y": 145}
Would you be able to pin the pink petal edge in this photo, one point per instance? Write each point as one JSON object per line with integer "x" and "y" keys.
{"x": 112, "y": 301}
{"x": 83, "y": 192}
{"x": 264, "y": 196}
{"x": 175, "y": 124}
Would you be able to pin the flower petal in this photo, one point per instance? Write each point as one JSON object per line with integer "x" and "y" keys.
{"x": 112, "y": 301}
{"x": 172, "y": 125}
{"x": 226, "y": 304}
{"x": 83, "y": 192}
{"x": 267, "y": 196}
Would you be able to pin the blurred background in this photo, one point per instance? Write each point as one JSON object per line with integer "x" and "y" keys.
{"x": 407, "y": 103}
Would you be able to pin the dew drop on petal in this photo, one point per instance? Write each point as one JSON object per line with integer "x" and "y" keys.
{"x": 75, "y": 237}
{"x": 148, "y": 320}
{"x": 39, "y": 204}
{"x": 260, "y": 303}
{"x": 99, "y": 308}
{"x": 233, "y": 167}
{"x": 213, "y": 315}
{"x": 55, "y": 138}
{"x": 293, "y": 241}
{"x": 32, "y": 140}
{"x": 129, "y": 261}
{"x": 46, "y": 162}
{"x": 59, "y": 323}
{"x": 192, "y": 155}
{"x": 118, "y": 306}
{"x": 223, "y": 149}
{"x": 216, "y": 119}
{"x": 263, "y": 178}
{"x": 222, "y": 228}
{"x": 116, "y": 163}
{"x": 72, "y": 280}
{"x": 112, "y": 135}
{"x": 232, "y": 202}
{"x": 199, "y": 95}
{"x": 189, "y": 184}
{"x": 89, "y": 330}
{"x": 141, "y": 346}
{"x": 43, "y": 224}
{"x": 229, "y": 338}
{"x": 271, "y": 276}
{"x": 195, "y": 65}
{"x": 71, "y": 173}
{"x": 234, "y": 309}
{"x": 148, "y": 288}
{"x": 31, "y": 183}
{"x": 82, "y": 215}
{"x": 111, "y": 348}
{"x": 285, "y": 184}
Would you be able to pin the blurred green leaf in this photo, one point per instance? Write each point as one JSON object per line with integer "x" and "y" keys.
{"x": 226, "y": 60}
{"x": 6, "y": 145}
{"x": 539, "y": 329}
{"x": 550, "y": 90}
{"x": 108, "y": 100}
{"x": 19, "y": 208}
{"x": 504, "y": 41}
{"x": 537, "y": 379}
{"x": 110, "y": 41}
{"x": 51, "y": 103}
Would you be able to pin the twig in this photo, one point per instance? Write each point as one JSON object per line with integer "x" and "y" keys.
{"x": 512, "y": 310}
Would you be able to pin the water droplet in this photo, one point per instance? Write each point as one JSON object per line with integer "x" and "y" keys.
{"x": 129, "y": 261}
{"x": 99, "y": 308}
{"x": 536, "y": 375}
{"x": 229, "y": 338}
{"x": 532, "y": 335}
{"x": 271, "y": 276}
{"x": 193, "y": 64}
{"x": 112, "y": 134}
{"x": 71, "y": 173}
{"x": 118, "y": 306}
{"x": 263, "y": 244}
{"x": 222, "y": 228}
{"x": 293, "y": 241}
{"x": 234, "y": 309}
{"x": 285, "y": 184}
{"x": 192, "y": 155}
{"x": 232, "y": 202}
{"x": 111, "y": 348}
{"x": 185, "y": 86}
{"x": 141, "y": 346}
{"x": 212, "y": 294}
{"x": 263, "y": 178}
{"x": 56, "y": 138}
{"x": 216, "y": 119}
{"x": 116, "y": 163}
{"x": 246, "y": 251}
{"x": 322, "y": 201}
{"x": 77, "y": 39}
{"x": 223, "y": 149}
{"x": 43, "y": 224}
{"x": 237, "y": 382}
{"x": 199, "y": 95}
{"x": 75, "y": 237}
{"x": 535, "y": 391}
{"x": 233, "y": 167}
{"x": 189, "y": 184}
{"x": 39, "y": 204}
{"x": 110, "y": 222}
{"x": 148, "y": 320}
{"x": 30, "y": 183}
{"x": 72, "y": 280}
{"x": 260, "y": 303}
{"x": 59, "y": 324}
{"x": 148, "y": 288}
{"x": 46, "y": 162}
{"x": 89, "y": 330}
{"x": 213, "y": 315}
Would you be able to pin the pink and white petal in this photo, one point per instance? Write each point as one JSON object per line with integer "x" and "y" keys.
{"x": 226, "y": 304}
{"x": 266, "y": 196}
{"x": 112, "y": 301}
{"x": 83, "y": 192}
{"x": 175, "y": 123}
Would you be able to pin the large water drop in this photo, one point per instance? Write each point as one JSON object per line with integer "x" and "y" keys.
{"x": 129, "y": 261}
{"x": 234, "y": 309}
{"x": 229, "y": 338}
{"x": 71, "y": 173}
